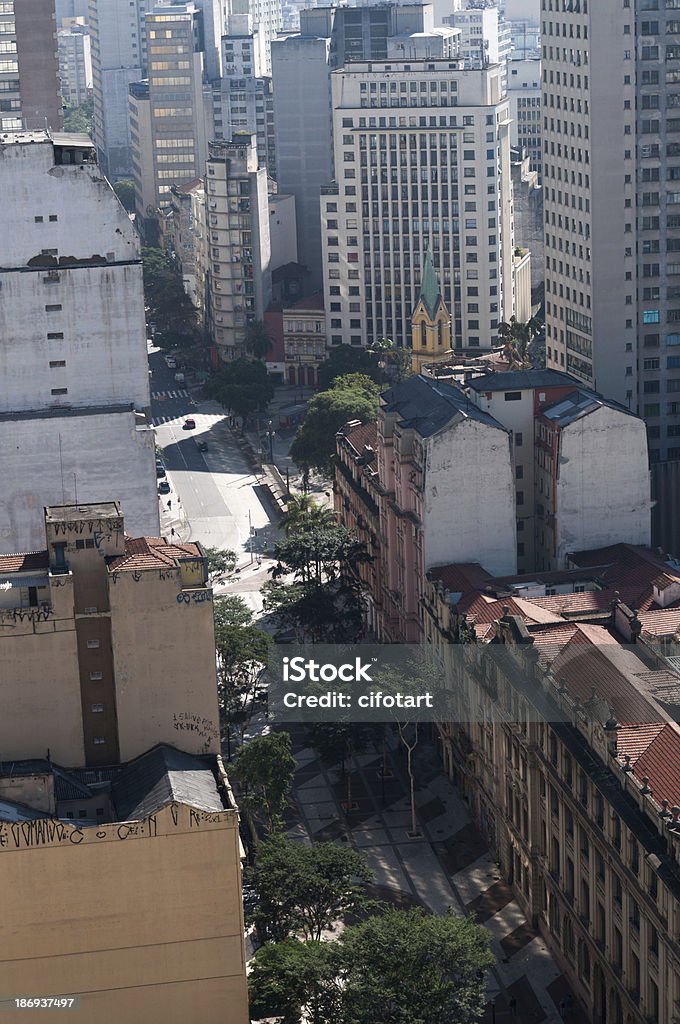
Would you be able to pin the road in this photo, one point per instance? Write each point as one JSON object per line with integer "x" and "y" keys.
{"x": 215, "y": 498}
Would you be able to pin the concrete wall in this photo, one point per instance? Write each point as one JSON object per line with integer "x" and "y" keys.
{"x": 469, "y": 503}
{"x": 164, "y": 663}
{"x": 144, "y": 922}
{"x": 602, "y": 494}
{"x": 44, "y": 460}
{"x": 282, "y": 231}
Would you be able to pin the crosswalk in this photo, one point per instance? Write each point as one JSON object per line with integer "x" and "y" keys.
{"x": 203, "y": 420}
{"x": 160, "y": 395}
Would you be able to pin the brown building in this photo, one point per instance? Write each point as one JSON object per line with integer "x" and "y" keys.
{"x": 30, "y": 84}
{"x": 121, "y": 887}
{"x": 106, "y": 642}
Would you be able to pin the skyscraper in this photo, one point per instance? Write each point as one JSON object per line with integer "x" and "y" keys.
{"x": 29, "y": 69}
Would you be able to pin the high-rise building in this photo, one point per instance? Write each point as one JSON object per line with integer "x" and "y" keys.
{"x": 29, "y": 69}
{"x": 236, "y": 242}
{"x": 75, "y": 63}
{"x": 524, "y": 93}
{"x": 611, "y": 167}
{"x": 302, "y": 64}
{"x": 422, "y": 158}
{"x": 74, "y": 389}
{"x": 485, "y": 39}
{"x": 267, "y": 19}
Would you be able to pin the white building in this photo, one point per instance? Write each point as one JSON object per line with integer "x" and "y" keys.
{"x": 524, "y": 93}
{"x": 74, "y": 385}
{"x": 422, "y": 157}
{"x": 282, "y": 230}
{"x": 267, "y": 19}
{"x": 236, "y": 242}
{"x": 75, "y": 63}
{"x": 484, "y": 37}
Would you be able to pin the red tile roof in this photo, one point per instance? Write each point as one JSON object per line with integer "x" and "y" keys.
{"x": 151, "y": 553}
{"x": 660, "y": 621}
{"x": 660, "y": 763}
{"x": 366, "y": 434}
{"x": 30, "y": 561}
{"x": 459, "y": 578}
{"x": 631, "y": 567}
{"x": 632, "y": 740}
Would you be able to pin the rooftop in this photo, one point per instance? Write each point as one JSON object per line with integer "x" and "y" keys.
{"x": 152, "y": 553}
{"x": 521, "y": 380}
{"x": 313, "y": 302}
{"x": 579, "y": 403}
{"x": 74, "y": 513}
{"x": 428, "y": 405}
{"x": 32, "y": 561}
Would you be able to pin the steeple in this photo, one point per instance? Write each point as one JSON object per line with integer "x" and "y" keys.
{"x": 430, "y": 292}
{"x": 430, "y": 322}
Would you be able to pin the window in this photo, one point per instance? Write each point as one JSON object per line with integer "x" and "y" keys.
{"x": 53, "y": 307}
{"x": 98, "y": 740}
{"x": 54, "y": 363}
{"x": 513, "y": 396}
{"x": 92, "y": 645}
{"x": 97, "y": 708}
{"x": 55, "y": 335}
{"x": 96, "y": 677}
{"x": 649, "y": 316}
{"x": 519, "y": 472}
{"x": 520, "y": 497}
{"x": 518, "y": 440}
{"x": 59, "y": 391}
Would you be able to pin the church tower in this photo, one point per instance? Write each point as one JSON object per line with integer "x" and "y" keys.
{"x": 430, "y": 322}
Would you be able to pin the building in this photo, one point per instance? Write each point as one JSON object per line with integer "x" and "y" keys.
{"x": 564, "y": 745}
{"x": 146, "y": 858}
{"x": 86, "y": 622}
{"x": 282, "y": 230}
{"x": 484, "y": 37}
{"x": 75, "y": 63}
{"x": 74, "y": 389}
{"x": 304, "y": 340}
{"x": 580, "y": 465}
{"x": 527, "y": 206}
{"x": 521, "y": 279}
{"x": 437, "y": 173}
{"x": 29, "y": 73}
{"x": 119, "y": 58}
{"x": 431, "y": 322}
{"x": 181, "y": 223}
{"x": 303, "y": 124}
{"x": 141, "y": 145}
{"x": 524, "y": 93}
{"x": 237, "y": 243}
{"x": 267, "y": 16}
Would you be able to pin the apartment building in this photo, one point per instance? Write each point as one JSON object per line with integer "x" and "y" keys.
{"x": 74, "y": 392}
{"x": 75, "y": 63}
{"x": 524, "y": 93}
{"x": 304, "y": 340}
{"x": 237, "y": 246}
{"x": 564, "y": 746}
{"x": 422, "y": 157}
{"x": 29, "y": 69}
{"x": 484, "y": 37}
{"x": 85, "y": 628}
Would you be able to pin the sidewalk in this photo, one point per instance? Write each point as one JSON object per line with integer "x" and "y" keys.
{"x": 447, "y": 866}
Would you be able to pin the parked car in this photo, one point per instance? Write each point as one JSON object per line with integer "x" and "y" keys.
{"x": 170, "y": 363}
{"x": 164, "y": 487}
{"x": 160, "y": 472}
{"x": 202, "y": 446}
{"x": 180, "y": 378}
{"x": 189, "y": 424}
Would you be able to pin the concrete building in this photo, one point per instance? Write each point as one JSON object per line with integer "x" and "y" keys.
{"x": 74, "y": 384}
{"x": 304, "y": 340}
{"x": 301, "y": 67}
{"x": 124, "y": 886}
{"x": 29, "y": 70}
{"x": 236, "y": 242}
{"x": 141, "y": 146}
{"x": 524, "y": 93}
{"x": 71, "y": 9}
{"x": 182, "y": 227}
{"x": 484, "y": 38}
{"x": 521, "y": 282}
{"x": 75, "y": 63}
{"x": 400, "y": 185}
{"x": 527, "y": 207}
{"x": 85, "y": 629}
{"x": 282, "y": 230}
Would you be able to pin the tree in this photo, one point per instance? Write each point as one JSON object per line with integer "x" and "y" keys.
{"x": 345, "y": 359}
{"x": 264, "y": 768}
{"x": 294, "y": 981}
{"x": 242, "y": 652}
{"x": 125, "y": 190}
{"x": 168, "y": 304}
{"x": 409, "y": 967}
{"x": 220, "y": 563}
{"x": 79, "y": 118}
{"x": 305, "y": 514}
{"x": 258, "y": 343}
{"x": 394, "y": 363}
{"x": 353, "y": 397}
{"x": 243, "y": 386}
{"x": 337, "y": 742}
{"x": 306, "y": 889}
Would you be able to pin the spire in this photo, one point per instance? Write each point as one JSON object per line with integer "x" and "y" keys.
{"x": 430, "y": 292}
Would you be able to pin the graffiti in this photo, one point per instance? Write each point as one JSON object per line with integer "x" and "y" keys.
{"x": 186, "y": 722}
{"x": 147, "y": 827}
{"x": 101, "y": 528}
{"x": 39, "y": 614}
{"x": 41, "y": 832}
{"x": 174, "y": 811}
{"x": 114, "y": 576}
{"x": 99, "y": 537}
{"x": 136, "y": 575}
{"x": 195, "y": 596}
{"x": 198, "y": 818}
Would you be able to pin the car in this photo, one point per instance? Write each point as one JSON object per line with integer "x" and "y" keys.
{"x": 202, "y": 446}
{"x": 164, "y": 487}
{"x": 170, "y": 363}
{"x": 160, "y": 472}
{"x": 180, "y": 378}
{"x": 189, "y": 424}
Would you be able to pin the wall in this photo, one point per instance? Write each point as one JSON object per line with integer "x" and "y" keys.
{"x": 282, "y": 231}
{"x": 103, "y": 455}
{"x": 164, "y": 663}
{"x": 469, "y": 502}
{"x": 38, "y": 64}
{"x": 602, "y": 495}
{"x": 143, "y": 921}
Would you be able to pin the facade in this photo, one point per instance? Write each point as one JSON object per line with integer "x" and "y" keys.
{"x": 521, "y": 276}
{"x": 282, "y": 230}
{"x": 86, "y": 627}
{"x": 524, "y": 93}
{"x": 304, "y": 340}
{"x": 29, "y": 71}
{"x": 181, "y": 223}
{"x": 74, "y": 388}
{"x": 400, "y": 185}
{"x": 146, "y": 857}
{"x": 141, "y": 144}
{"x": 527, "y": 205}
{"x": 236, "y": 242}
{"x": 484, "y": 39}
{"x": 75, "y": 63}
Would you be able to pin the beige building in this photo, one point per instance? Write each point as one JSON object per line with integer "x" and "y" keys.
{"x": 121, "y": 887}
{"x": 106, "y": 643}
{"x": 304, "y": 340}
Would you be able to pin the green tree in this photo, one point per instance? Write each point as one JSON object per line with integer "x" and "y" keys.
{"x": 294, "y": 981}
{"x": 409, "y": 967}
{"x": 305, "y": 514}
{"x": 345, "y": 359}
{"x": 244, "y": 387}
{"x": 125, "y": 190}
{"x": 394, "y": 363}
{"x": 306, "y": 890}
{"x": 79, "y": 118}
{"x": 168, "y": 305}
{"x": 258, "y": 343}
{"x": 221, "y": 562}
{"x": 353, "y": 397}
{"x": 242, "y": 652}
{"x": 264, "y": 769}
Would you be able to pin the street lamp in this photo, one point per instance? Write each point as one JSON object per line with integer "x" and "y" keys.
{"x": 270, "y": 435}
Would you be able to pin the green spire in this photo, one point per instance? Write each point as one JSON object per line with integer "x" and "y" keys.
{"x": 429, "y": 286}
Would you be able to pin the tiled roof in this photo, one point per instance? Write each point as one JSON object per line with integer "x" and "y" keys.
{"x": 151, "y": 553}
{"x": 633, "y": 739}
{"x": 461, "y": 577}
{"x": 660, "y": 763}
{"x": 26, "y": 562}
{"x": 633, "y": 567}
{"x": 660, "y": 621}
{"x": 550, "y": 640}
{"x": 161, "y": 776}
{"x": 575, "y": 604}
{"x": 521, "y": 380}
{"x": 428, "y": 406}
{"x": 366, "y": 434}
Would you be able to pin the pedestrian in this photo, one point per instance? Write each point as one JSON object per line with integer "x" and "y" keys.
{"x": 172, "y": 531}
{"x": 170, "y": 504}
{"x": 512, "y": 1005}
